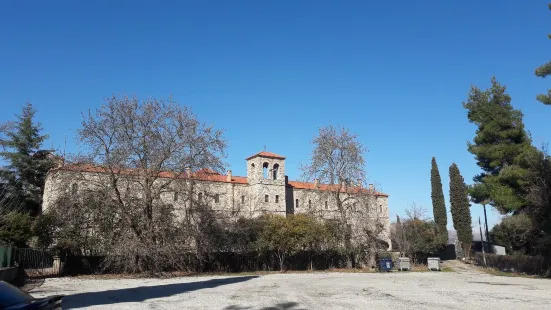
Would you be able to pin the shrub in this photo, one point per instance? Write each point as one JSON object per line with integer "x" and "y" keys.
{"x": 15, "y": 229}
{"x": 532, "y": 265}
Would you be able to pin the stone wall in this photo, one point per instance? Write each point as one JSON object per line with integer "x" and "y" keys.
{"x": 258, "y": 196}
{"x": 367, "y": 212}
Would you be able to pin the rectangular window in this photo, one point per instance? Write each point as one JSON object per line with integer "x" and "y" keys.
{"x": 74, "y": 189}
{"x": 277, "y": 199}
{"x": 266, "y": 198}
{"x": 242, "y": 199}
{"x": 326, "y": 205}
{"x": 309, "y": 203}
{"x": 175, "y": 196}
{"x": 296, "y": 203}
{"x": 217, "y": 198}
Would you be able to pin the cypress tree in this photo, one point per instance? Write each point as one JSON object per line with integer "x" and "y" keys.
{"x": 543, "y": 71}
{"x": 27, "y": 164}
{"x": 501, "y": 147}
{"x": 460, "y": 208}
{"x": 438, "y": 205}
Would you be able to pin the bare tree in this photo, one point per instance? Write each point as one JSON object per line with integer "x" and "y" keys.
{"x": 136, "y": 154}
{"x": 416, "y": 236}
{"x": 338, "y": 163}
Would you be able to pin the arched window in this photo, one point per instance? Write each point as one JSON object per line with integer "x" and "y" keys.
{"x": 252, "y": 166}
{"x": 326, "y": 205}
{"x": 74, "y": 189}
{"x": 275, "y": 170}
{"x": 309, "y": 204}
{"x": 296, "y": 203}
{"x": 200, "y": 196}
{"x": 265, "y": 170}
{"x": 175, "y": 196}
{"x": 380, "y": 208}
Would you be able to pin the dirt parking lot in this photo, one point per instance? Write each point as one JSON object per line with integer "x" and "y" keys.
{"x": 413, "y": 290}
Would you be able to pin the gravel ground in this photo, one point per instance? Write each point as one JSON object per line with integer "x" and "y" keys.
{"x": 413, "y": 290}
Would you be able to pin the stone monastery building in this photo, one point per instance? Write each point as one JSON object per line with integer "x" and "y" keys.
{"x": 265, "y": 189}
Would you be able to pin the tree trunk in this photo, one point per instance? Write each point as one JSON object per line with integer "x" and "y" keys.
{"x": 281, "y": 258}
{"x": 467, "y": 250}
{"x": 348, "y": 260}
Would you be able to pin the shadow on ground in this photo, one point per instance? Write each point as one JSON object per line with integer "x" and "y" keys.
{"x": 142, "y": 293}
{"x": 280, "y": 306}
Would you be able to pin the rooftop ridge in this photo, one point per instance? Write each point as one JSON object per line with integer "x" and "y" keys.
{"x": 266, "y": 154}
{"x": 204, "y": 174}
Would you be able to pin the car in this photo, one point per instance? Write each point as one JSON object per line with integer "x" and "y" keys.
{"x": 13, "y": 298}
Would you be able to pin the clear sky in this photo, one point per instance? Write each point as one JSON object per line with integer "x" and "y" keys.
{"x": 271, "y": 72}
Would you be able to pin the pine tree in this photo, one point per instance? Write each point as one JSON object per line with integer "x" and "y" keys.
{"x": 543, "y": 71}
{"x": 460, "y": 208}
{"x": 438, "y": 204}
{"x": 501, "y": 147}
{"x": 27, "y": 164}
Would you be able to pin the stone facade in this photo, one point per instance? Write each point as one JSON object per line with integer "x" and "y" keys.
{"x": 265, "y": 189}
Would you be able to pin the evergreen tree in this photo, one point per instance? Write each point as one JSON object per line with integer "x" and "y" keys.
{"x": 27, "y": 164}
{"x": 460, "y": 208}
{"x": 438, "y": 204}
{"x": 501, "y": 147}
{"x": 543, "y": 71}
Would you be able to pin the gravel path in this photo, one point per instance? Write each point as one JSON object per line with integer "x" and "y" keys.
{"x": 419, "y": 290}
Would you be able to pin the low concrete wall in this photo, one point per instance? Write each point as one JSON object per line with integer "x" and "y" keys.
{"x": 8, "y": 274}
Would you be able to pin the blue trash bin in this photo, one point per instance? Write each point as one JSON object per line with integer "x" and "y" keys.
{"x": 385, "y": 264}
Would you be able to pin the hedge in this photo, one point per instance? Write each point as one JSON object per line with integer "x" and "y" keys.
{"x": 532, "y": 265}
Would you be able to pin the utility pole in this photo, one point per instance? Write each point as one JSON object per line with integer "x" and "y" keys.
{"x": 486, "y": 222}
{"x": 482, "y": 242}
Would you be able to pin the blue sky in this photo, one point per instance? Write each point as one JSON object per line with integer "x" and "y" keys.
{"x": 272, "y": 72}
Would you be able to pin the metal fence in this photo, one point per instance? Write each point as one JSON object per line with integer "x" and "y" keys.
{"x": 38, "y": 262}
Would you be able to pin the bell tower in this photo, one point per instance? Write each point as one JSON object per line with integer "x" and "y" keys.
{"x": 266, "y": 179}
{"x": 266, "y": 168}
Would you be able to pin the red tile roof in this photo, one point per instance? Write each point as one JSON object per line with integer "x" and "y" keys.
{"x": 206, "y": 174}
{"x": 325, "y": 187}
{"x": 266, "y": 154}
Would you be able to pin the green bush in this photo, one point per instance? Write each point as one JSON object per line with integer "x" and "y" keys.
{"x": 15, "y": 229}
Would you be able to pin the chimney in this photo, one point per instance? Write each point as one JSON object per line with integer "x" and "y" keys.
{"x": 316, "y": 183}
{"x": 228, "y": 178}
{"x": 359, "y": 182}
{"x": 371, "y": 187}
{"x": 188, "y": 172}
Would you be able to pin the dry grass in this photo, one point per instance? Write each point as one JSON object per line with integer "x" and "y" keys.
{"x": 496, "y": 272}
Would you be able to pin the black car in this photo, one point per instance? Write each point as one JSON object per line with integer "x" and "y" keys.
{"x": 12, "y": 298}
